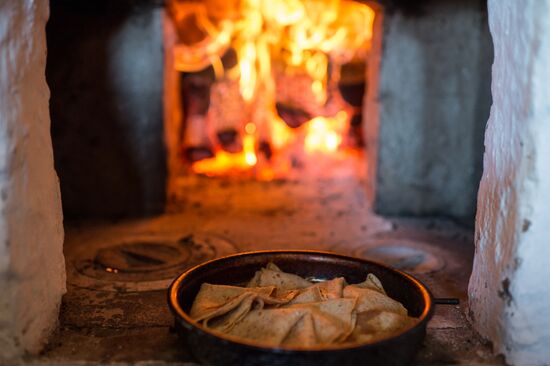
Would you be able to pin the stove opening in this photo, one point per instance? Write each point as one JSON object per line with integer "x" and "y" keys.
{"x": 270, "y": 89}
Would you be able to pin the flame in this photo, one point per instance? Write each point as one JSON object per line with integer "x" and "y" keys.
{"x": 224, "y": 163}
{"x": 247, "y": 82}
{"x": 324, "y": 134}
{"x": 249, "y": 150}
{"x": 305, "y": 37}
{"x": 303, "y": 32}
{"x": 192, "y": 55}
{"x": 281, "y": 134}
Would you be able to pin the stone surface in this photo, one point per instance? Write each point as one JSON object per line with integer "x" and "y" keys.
{"x": 32, "y": 272}
{"x": 508, "y": 290}
{"x": 105, "y": 70}
{"x": 428, "y": 109}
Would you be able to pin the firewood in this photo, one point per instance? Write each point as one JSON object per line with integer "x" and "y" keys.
{"x": 293, "y": 117}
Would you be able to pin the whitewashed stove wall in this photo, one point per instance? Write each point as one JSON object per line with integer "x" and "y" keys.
{"x": 32, "y": 271}
{"x": 509, "y": 289}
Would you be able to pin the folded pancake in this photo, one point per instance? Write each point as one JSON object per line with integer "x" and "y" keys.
{"x": 333, "y": 319}
{"x": 267, "y": 326}
{"x": 332, "y": 289}
{"x": 227, "y": 305}
{"x": 273, "y": 276}
{"x": 311, "y": 324}
{"x": 372, "y": 282}
{"x": 368, "y": 300}
{"x": 213, "y": 297}
{"x": 376, "y": 324}
{"x": 328, "y": 329}
{"x": 280, "y": 309}
{"x": 302, "y": 333}
{"x": 307, "y": 295}
{"x": 225, "y": 317}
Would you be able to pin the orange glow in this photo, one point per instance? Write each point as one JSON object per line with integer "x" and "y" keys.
{"x": 249, "y": 150}
{"x": 273, "y": 37}
{"x": 223, "y": 163}
{"x": 281, "y": 134}
{"x": 324, "y": 135}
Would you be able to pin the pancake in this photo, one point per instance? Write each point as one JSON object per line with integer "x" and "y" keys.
{"x": 280, "y": 309}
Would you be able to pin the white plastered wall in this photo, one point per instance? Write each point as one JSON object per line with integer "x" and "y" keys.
{"x": 510, "y": 283}
{"x": 32, "y": 271}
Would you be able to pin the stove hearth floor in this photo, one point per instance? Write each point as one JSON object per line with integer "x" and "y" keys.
{"x": 120, "y": 316}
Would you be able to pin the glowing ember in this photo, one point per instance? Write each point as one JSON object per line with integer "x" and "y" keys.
{"x": 223, "y": 163}
{"x": 275, "y": 41}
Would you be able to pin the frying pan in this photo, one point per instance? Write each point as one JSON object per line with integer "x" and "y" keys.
{"x": 213, "y": 349}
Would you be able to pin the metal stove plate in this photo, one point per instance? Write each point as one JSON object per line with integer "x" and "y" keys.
{"x": 142, "y": 263}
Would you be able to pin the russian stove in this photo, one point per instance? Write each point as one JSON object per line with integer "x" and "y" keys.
{"x": 507, "y": 291}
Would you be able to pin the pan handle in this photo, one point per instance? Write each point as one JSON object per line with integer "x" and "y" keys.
{"x": 446, "y": 301}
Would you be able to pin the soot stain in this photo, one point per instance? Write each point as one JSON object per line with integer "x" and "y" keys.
{"x": 504, "y": 292}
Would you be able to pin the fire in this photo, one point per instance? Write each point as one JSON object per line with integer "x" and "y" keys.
{"x": 225, "y": 163}
{"x": 281, "y": 134}
{"x": 249, "y": 150}
{"x": 324, "y": 135}
{"x": 306, "y": 38}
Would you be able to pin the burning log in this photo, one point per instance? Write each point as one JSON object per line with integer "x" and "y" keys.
{"x": 199, "y": 92}
{"x": 197, "y": 153}
{"x": 196, "y": 100}
{"x": 265, "y": 148}
{"x": 228, "y": 114}
{"x": 293, "y": 117}
{"x": 229, "y": 140}
{"x": 294, "y": 93}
